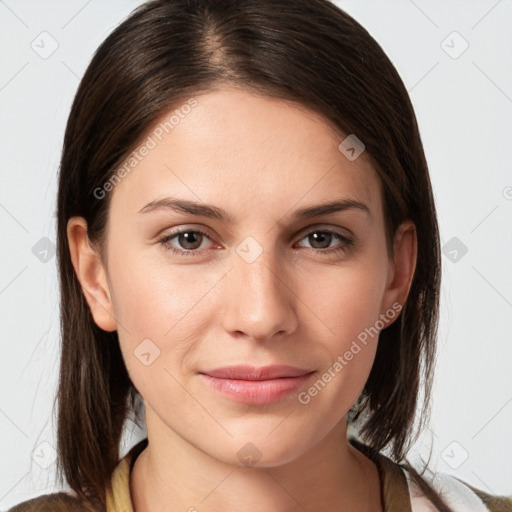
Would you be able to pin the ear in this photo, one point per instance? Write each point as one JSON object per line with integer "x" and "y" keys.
{"x": 91, "y": 274}
{"x": 401, "y": 270}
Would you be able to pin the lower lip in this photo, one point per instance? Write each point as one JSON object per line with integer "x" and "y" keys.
{"x": 256, "y": 392}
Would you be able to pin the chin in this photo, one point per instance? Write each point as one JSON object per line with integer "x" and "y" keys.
{"x": 263, "y": 452}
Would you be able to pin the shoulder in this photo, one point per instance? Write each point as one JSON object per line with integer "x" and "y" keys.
{"x": 402, "y": 493}
{"x": 458, "y": 494}
{"x": 56, "y": 502}
{"x": 493, "y": 502}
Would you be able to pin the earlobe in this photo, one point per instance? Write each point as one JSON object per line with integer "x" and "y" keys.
{"x": 91, "y": 274}
{"x": 402, "y": 270}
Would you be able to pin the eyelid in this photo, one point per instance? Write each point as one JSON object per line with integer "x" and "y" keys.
{"x": 307, "y": 230}
{"x": 326, "y": 227}
{"x": 188, "y": 229}
{"x": 346, "y": 241}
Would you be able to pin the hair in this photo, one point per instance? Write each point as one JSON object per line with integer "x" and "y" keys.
{"x": 307, "y": 51}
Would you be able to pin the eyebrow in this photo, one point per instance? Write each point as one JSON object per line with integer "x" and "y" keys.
{"x": 210, "y": 211}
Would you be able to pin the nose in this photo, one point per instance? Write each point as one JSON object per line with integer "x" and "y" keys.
{"x": 261, "y": 303}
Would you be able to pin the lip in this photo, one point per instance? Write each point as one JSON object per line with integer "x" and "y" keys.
{"x": 252, "y": 385}
{"x": 247, "y": 372}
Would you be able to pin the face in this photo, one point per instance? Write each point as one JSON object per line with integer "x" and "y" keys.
{"x": 189, "y": 292}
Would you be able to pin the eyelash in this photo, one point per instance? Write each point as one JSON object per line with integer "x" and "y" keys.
{"x": 347, "y": 242}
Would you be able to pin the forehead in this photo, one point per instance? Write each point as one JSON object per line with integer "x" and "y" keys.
{"x": 236, "y": 148}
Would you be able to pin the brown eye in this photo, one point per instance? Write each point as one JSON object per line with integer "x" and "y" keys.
{"x": 189, "y": 239}
{"x": 321, "y": 240}
{"x": 187, "y": 242}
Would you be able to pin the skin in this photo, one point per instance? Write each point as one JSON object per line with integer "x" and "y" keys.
{"x": 259, "y": 159}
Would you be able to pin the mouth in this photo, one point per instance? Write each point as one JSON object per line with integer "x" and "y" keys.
{"x": 258, "y": 386}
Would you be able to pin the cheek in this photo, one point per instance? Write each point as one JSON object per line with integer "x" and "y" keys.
{"x": 153, "y": 296}
{"x": 348, "y": 301}
{"x": 349, "y": 309}
{"x": 160, "y": 310}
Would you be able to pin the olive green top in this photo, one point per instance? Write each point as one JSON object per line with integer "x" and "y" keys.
{"x": 398, "y": 494}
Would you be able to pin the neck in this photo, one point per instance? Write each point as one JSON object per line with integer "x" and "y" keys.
{"x": 172, "y": 474}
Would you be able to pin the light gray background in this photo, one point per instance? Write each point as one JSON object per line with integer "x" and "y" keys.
{"x": 463, "y": 103}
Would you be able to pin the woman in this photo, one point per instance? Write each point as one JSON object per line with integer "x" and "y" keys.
{"x": 248, "y": 243}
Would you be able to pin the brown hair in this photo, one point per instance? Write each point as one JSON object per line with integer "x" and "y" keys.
{"x": 308, "y": 51}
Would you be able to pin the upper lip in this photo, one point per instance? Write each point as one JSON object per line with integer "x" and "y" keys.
{"x": 245, "y": 372}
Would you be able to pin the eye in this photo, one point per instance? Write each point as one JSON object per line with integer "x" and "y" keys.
{"x": 189, "y": 239}
{"x": 324, "y": 238}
